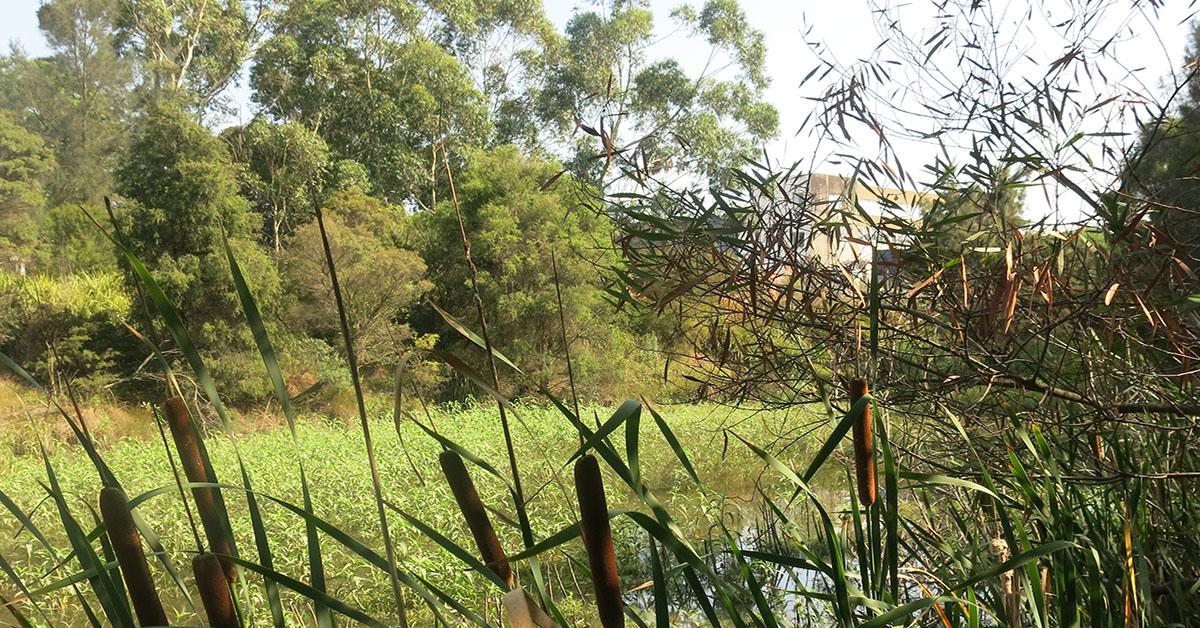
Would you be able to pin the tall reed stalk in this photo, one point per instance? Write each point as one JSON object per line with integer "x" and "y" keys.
{"x": 214, "y": 591}
{"x": 352, "y": 359}
{"x": 475, "y": 514}
{"x": 487, "y": 345}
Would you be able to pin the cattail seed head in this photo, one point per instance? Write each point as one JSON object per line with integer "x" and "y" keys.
{"x": 475, "y": 514}
{"x": 864, "y": 446}
{"x": 597, "y": 537}
{"x": 127, "y": 545}
{"x": 214, "y": 590}
{"x": 184, "y": 435}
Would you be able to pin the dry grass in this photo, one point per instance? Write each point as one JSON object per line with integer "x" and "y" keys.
{"x": 27, "y": 420}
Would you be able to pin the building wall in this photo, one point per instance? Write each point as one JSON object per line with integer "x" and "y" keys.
{"x": 839, "y": 233}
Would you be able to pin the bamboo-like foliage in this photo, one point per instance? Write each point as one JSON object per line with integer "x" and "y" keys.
{"x": 184, "y": 433}
{"x": 127, "y": 545}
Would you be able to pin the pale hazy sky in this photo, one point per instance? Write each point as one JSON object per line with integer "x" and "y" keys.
{"x": 1153, "y": 42}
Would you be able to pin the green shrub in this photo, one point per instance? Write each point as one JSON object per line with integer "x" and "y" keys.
{"x": 69, "y": 326}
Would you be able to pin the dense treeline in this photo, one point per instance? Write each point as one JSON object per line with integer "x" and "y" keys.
{"x": 371, "y": 110}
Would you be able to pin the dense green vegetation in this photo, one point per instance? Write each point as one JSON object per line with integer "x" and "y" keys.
{"x": 369, "y": 109}
{"x": 925, "y": 402}
{"x": 409, "y": 460}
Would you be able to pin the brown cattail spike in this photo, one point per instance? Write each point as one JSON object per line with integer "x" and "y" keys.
{"x": 214, "y": 591}
{"x": 184, "y": 436}
{"x": 864, "y": 445}
{"x": 597, "y": 537}
{"x": 475, "y": 514}
{"x": 127, "y": 545}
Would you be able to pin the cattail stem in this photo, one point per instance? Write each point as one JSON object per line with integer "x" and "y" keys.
{"x": 214, "y": 590}
{"x": 352, "y": 362}
{"x": 864, "y": 445}
{"x": 475, "y": 514}
{"x": 184, "y": 436}
{"x": 127, "y": 545}
{"x": 487, "y": 344}
{"x": 562, "y": 323}
{"x": 597, "y": 537}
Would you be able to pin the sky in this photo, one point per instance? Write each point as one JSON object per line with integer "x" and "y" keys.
{"x": 1152, "y": 41}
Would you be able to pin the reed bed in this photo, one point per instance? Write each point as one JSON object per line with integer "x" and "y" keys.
{"x": 373, "y": 541}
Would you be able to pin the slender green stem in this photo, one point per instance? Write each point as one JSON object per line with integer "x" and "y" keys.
{"x": 362, "y": 412}
{"x": 487, "y": 344}
{"x": 562, "y": 321}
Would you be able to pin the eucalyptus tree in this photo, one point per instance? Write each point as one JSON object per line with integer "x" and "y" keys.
{"x": 648, "y": 116}
{"x": 368, "y": 79}
{"x": 188, "y": 49}
{"x": 75, "y": 98}
{"x": 501, "y": 44}
{"x": 281, "y": 164}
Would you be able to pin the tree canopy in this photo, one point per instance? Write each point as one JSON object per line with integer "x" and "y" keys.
{"x": 382, "y": 112}
{"x": 25, "y": 162}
